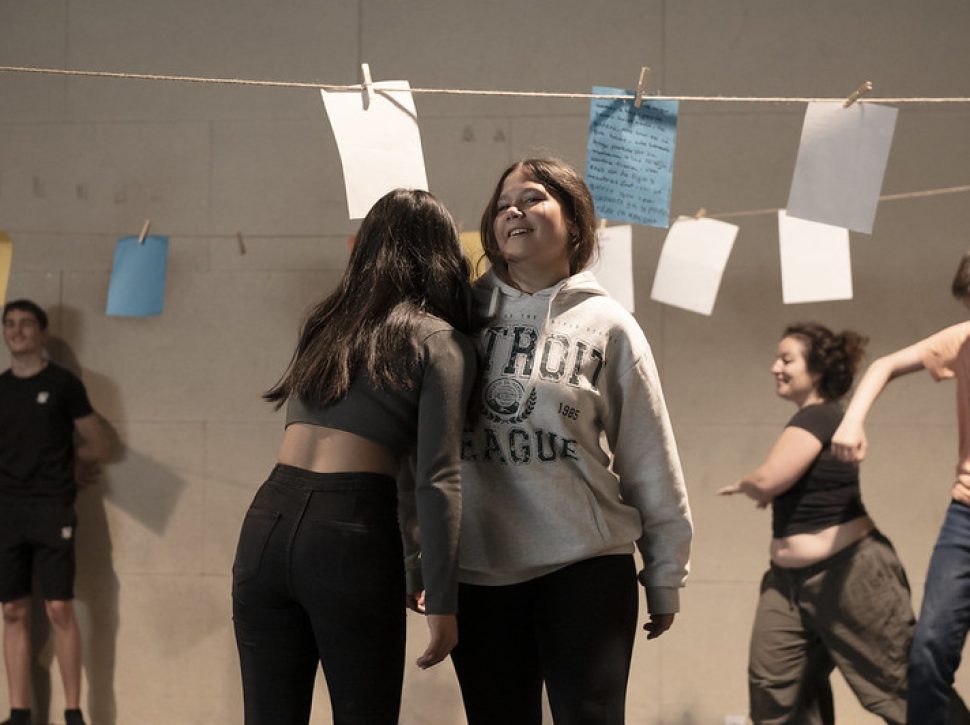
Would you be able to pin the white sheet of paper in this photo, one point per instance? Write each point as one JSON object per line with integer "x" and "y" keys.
{"x": 380, "y": 148}
{"x": 815, "y": 261}
{"x": 692, "y": 263}
{"x": 841, "y": 162}
{"x": 614, "y": 268}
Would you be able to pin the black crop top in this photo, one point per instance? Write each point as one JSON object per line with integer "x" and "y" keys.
{"x": 424, "y": 422}
{"x": 828, "y": 493}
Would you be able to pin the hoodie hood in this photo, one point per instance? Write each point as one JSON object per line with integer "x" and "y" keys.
{"x": 489, "y": 287}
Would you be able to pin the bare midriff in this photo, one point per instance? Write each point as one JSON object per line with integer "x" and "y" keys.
{"x": 327, "y": 450}
{"x": 800, "y": 550}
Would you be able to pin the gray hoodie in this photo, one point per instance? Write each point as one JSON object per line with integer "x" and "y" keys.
{"x": 571, "y": 455}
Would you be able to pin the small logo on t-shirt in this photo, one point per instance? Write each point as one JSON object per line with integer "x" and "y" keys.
{"x": 67, "y": 532}
{"x": 43, "y": 396}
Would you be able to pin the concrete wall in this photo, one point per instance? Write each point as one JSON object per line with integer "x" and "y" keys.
{"x": 85, "y": 161}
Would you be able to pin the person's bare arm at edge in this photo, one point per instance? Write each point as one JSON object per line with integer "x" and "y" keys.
{"x": 849, "y": 442}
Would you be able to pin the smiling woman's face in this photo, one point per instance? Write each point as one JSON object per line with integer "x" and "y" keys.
{"x": 529, "y": 224}
{"x": 793, "y": 380}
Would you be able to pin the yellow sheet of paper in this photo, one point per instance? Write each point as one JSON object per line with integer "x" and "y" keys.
{"x": 6, "y": 257}
{"x": 471, "y": 242}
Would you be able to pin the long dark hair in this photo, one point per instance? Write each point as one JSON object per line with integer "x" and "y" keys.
{"x": 567, "y": 186}
{"x": 833, "y": 357}
{"x": 407, "y": 261}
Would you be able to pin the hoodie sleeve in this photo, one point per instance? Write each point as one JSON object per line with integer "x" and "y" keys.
{"x": 450, "y": 368}
{"x": 646, "y": 462}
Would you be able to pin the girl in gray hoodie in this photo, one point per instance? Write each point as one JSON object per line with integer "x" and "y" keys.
{"x": 568, "y": 466}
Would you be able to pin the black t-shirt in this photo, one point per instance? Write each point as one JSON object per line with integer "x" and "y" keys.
{"x": 828, "y": 493}
{"x": 37, "y": 417}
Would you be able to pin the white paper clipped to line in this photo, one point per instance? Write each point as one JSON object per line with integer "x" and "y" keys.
{"x": 692, "y": 263}
{"x": 841, "y": 163}
{"x": 614, "y": 267}
{"x": 380, "y": 146}
{"x": 815, "y": 261}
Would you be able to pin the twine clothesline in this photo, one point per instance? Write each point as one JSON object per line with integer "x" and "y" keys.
{"x": 466, "y": 91}
{"x": 527, "y": 94}
{"x": 720, "y": 215}
{"x": 884, "y": 197}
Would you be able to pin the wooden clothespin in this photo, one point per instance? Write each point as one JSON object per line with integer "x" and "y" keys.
{"x": 367, "y": 85}
{"x": 144, "y": 231}
{"x": 242, "y": 244}
{"x": 857, "y": 94}
{"x": 701, "y": 213}
{"x": 602, "y": 223}
{"x": 641, "y": 86}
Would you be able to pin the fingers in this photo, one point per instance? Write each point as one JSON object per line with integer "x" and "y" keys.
{"x": 435, "y": 652}
{"x": 850, "y": 451}
{"x": 658, "y": 624}
{"x": 414, "y": 601}
{"x": 444, "y": 637}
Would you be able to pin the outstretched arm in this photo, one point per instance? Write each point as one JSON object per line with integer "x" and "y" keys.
{"x": 787, "y": 461}
{"x": 849, "y": 441}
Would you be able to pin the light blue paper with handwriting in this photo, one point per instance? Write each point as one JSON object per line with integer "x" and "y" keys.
{"x": 630, "y": 158}
{"x": 137, "y": 287}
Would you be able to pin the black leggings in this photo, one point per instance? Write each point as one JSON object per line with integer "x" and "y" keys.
{"x": 318, "y": 577}
{"x": 572, "y": 629}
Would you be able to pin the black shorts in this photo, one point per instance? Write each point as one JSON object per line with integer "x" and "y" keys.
{"x": 41, "y": 533}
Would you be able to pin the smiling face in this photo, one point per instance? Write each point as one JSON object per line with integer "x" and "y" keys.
{"x": 529, "y": 225}
{"x": 22, "y": 333}
{"x": 793, "y": 380}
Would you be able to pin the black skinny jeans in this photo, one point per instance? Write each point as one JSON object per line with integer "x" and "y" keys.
{"x": 318, "y": 577}
{"x": 572, "y": 629}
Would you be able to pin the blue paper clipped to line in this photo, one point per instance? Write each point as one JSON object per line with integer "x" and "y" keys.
{"x": 137, "y": 286}
{"x": 630, "y": 158}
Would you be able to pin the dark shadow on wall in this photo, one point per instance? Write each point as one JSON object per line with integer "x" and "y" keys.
{"x": 150, "y": 499}
{"x": 96, "y": 587}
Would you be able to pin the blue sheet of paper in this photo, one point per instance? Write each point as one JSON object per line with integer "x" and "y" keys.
{"x": 630, "y": 158}
{"x": 137, "y": 286}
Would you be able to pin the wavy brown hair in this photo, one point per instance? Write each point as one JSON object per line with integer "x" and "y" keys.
{"x": 834, "y": 357}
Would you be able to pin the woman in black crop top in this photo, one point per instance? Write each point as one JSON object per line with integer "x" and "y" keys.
{"x": 836, "y": 594}
{"x": 381, "y": 375}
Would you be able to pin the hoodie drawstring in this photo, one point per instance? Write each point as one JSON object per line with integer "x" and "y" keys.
{"x": 493, "y": 303}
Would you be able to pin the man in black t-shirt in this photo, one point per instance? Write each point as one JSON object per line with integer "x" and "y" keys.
{"x": 48, "y": 431}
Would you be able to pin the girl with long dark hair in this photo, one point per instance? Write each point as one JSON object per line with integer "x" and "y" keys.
{"x": 382, "y": 374}
{"x": 835, "y": 594}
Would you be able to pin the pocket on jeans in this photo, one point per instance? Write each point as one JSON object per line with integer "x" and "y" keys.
{"x": 256, "y": 530}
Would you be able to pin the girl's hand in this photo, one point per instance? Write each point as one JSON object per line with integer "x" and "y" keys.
{"x": 658, "y": 624}
{"x": 849, "y": 443}
{"x": 444, "y": 637}
{"x": 415, "y": 602}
